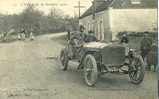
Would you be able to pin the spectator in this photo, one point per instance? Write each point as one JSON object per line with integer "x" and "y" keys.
{"x": 5, "y": 36}
{"x": 22, "y": 34}
{"x": 31, "y": 36}
{"x": 145, "y": 47}
{"x": 151, "y": 57}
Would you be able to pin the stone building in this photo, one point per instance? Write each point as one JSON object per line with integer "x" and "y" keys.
{"x": 113, "y": 16}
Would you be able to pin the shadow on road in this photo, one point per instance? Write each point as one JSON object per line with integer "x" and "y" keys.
{"x": 52, "y": 58}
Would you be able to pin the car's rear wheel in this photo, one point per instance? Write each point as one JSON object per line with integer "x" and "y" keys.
{"x": 64, "y": 60}
{"x": 90, "y": 70}
{"x": 136, "y": 70}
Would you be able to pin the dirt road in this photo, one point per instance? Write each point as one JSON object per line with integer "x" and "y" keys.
{"x": 30, "y": 70}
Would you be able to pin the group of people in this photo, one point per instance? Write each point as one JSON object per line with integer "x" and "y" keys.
{"x": 24, "y": 34}
{"x": 148, "y": 49}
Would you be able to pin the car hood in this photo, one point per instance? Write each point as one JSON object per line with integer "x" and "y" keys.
{"x": 96, "y": 45}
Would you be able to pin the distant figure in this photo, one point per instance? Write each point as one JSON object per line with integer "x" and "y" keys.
{"x": 5, "y": 36}
{"x": 22, "y": 34}
{"x": 68, "y": 34}
{"x": 31, "y": 36}
{"x": 124, "y": 39}
{"x": 145, "y": 46}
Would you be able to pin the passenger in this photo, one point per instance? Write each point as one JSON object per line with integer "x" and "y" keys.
{"x": 124, "y": 39}
{"x": 90, "y": 37}
{"x": 82, "y": 28}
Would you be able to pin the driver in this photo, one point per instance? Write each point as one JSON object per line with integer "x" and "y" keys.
{"x": 76, "y": 42}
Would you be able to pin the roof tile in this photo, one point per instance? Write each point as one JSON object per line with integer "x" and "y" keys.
{"x": 102, "y": 5}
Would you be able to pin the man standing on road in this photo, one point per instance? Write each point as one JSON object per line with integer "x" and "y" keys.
{"x": 151, "y": 57}
{"x": 145, "y": 46}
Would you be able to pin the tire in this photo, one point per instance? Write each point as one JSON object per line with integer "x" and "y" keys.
{"x": 90, "y": 70}
{"x": 64, "y": 60}
{"x": 136, "y": 68}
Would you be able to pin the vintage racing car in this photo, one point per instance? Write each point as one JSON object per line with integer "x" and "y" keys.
{"x": 96, "y": 57}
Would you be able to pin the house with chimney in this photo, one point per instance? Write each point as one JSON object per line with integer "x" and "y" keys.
{"x": 109, "y": 17}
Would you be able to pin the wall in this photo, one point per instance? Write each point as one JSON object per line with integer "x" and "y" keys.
{"x": 98, "y": 23}
{"x": 138, "y": 20}
{"x": 107, "y": 32}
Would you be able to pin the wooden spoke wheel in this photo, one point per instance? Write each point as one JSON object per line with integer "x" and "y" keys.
{"x": 136, "y": 70}
{"x": 90, "y": 70}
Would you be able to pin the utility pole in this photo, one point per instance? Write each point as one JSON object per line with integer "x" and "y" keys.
{"x": 93, "y": 14}
{"x": 94, "y": 3}
{"x": 93, "y": 9}
{"x": 79, "y": 8}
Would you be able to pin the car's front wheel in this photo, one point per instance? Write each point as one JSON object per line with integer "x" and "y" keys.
{"x": 90, "y": 70}
{"x": 64, "y": 60}
{"x": 136, "y": 70}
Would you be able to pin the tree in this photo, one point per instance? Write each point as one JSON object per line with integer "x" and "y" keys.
{"x": 29, "y": 19}
{"x": 34, "y": 20}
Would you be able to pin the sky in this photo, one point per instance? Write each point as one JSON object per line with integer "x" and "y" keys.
{"x": 67, "y": 6}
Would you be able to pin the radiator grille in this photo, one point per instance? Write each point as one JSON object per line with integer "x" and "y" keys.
{"x": 113, "y": 55}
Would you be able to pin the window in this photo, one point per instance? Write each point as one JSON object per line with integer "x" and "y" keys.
{"x": 135, "y": 1}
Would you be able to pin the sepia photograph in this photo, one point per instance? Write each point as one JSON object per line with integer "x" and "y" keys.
{"x": 79, "y": 49}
